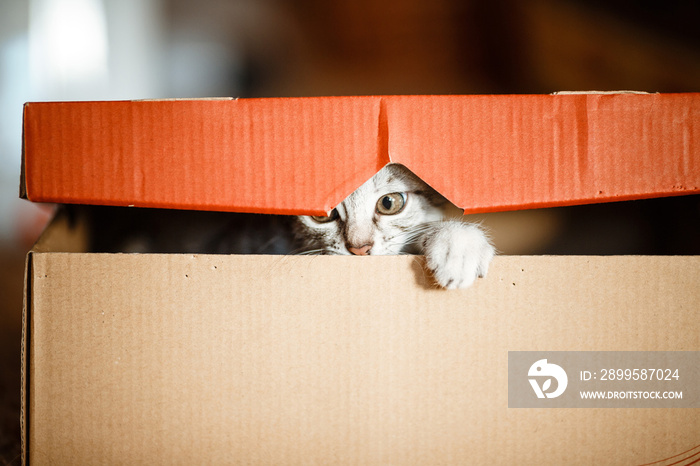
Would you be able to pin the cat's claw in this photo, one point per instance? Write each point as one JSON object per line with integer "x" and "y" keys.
{"x": 457, "y": 253}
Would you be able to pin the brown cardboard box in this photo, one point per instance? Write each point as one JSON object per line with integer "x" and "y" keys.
{"x": 158, "y": 358}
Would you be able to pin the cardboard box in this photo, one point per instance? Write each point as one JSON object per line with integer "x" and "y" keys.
{"x": 305, "y": 155}
{"x": 180, "y": 358}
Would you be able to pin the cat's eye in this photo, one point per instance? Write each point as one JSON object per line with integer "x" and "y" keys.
{"x": 391, "y": 204}
{"x": 324, "y": 218}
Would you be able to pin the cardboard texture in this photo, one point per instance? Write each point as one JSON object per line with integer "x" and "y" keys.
{"x": 182, "y": 359}
{"x": 305, "y": 155}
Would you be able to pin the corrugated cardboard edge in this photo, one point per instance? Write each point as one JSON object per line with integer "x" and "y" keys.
{"x": 25, "y": 356}
{"x": 24, "y": 375}
{"x": 22, "y": 173}
{"x": 602, "y": 92}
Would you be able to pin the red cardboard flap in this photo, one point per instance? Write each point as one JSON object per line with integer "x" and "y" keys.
{"x": 305, "y": 155}
{"x": 248, "y": 155}
{"x": 489, "y": 153}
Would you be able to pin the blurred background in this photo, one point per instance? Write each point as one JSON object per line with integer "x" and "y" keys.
{"x": 133, "y": 49}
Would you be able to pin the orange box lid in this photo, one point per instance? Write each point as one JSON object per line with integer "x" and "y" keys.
{"x": 305, "y": 155}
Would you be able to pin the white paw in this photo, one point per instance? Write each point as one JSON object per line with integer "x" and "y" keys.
{"x": 457, "y": 253}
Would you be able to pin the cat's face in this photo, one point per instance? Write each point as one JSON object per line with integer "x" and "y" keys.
{"x": 386, "y": 215}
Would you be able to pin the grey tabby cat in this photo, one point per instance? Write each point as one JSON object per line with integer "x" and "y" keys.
{"x": 392, "y": 213}
{"x": 397, "y": 213}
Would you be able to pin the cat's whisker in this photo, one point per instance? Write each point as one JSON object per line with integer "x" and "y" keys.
{"x": 316, "y": 252}
{"x": 397, "y": 214}
{"x": 411, "y": 236}
{"x": 311, "y": 252}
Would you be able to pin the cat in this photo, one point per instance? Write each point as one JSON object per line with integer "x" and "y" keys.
{"x": 397, "y": 213}
{"x": 392, "y": 213}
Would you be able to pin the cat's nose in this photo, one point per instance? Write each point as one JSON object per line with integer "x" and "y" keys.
{"x": 361, "y": 251}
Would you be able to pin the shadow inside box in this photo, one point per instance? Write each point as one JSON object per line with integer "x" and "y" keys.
{"x": 11, "y": 289}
